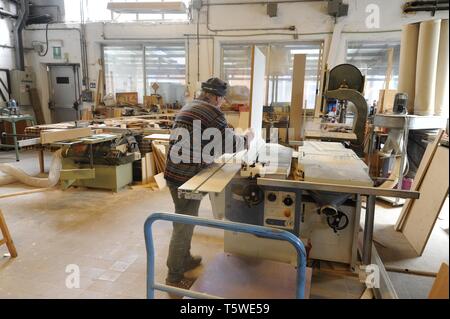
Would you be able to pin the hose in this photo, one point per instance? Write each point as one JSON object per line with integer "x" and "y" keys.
{"x": 14, "y": 174}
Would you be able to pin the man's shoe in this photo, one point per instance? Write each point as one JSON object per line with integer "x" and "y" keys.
{"x": 184, "y": 283}
{"x": 192, "y": 262}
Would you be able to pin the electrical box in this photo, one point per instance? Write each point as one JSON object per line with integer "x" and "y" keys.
{"x": 337, "y": 9}
{"x": 272, "y": 9}
{"x": 21, "y": 84}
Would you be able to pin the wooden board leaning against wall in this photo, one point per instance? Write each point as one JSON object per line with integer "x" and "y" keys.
{"x": 298, "y": 86}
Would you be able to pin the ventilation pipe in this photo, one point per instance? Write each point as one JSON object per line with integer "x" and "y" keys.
{"x": 18, "y": 36}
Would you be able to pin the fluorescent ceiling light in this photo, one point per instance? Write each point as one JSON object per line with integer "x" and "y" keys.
{"x": 147, "y": 7}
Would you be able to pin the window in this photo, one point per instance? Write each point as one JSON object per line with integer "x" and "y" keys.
{"x": 136, "y": 68}
{"x": 371, "y": 57}
{"x": 236, "y": 68}
{"x": 281, "y": 68}
{"x": 166, "y": 65}
{"x": 96, "y": 10}
{"x": 124, "y": 70}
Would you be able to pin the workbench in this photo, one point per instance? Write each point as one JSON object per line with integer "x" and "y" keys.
{"x": 13, "y": 119}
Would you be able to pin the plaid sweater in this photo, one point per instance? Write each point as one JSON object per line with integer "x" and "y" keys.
{"x": 210, "y": 117}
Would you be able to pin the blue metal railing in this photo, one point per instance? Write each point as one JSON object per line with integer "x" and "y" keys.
{"x": 260, "y": 231}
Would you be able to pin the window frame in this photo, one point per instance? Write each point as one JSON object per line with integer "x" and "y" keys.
{"x": 142, "y": 46}
{"x": 389, "y": 43}
{"x": 268, "y": 43}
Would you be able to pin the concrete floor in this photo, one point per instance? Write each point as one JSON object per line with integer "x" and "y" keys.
{"x": 102, "y": 233}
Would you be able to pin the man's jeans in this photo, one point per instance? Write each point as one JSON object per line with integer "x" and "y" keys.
{"x": 180, "y": 243}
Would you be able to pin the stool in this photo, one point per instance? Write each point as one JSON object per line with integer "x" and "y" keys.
{"x": 7, "y": 237}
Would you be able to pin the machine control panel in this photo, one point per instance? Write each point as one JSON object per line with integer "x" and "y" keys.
{"x": 279, "y": 209}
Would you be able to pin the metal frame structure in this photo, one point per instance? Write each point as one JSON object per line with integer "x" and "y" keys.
{"x": 370, "y": 192}
{"x": 13, "y": 119}
{"x": 261, "y": 231}
{"x": 404, "y": 123}
{"x": 144, "y": 46}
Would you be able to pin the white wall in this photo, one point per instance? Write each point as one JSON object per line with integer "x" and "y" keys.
{"x": 7, "y": 56}
{"x": 310, "y": 19}
{"x": 7, "y": 60}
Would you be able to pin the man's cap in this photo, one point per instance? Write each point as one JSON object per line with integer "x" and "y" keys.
{"x": 215, "y": 86}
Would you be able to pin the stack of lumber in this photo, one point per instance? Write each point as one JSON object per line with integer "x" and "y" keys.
{"x": 127, "y": 98}
{"x": 418, "y": 216}
{"x": 159, "y": 154}
{"x": 58, "y": 135}
{"x": 131, "y": 123}
{"x": 154, "y": 162}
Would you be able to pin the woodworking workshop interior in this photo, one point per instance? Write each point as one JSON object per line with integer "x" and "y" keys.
{"x": 238, "y": 149}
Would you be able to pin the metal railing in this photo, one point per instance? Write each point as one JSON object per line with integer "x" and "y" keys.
{"x": 260, "y": 231}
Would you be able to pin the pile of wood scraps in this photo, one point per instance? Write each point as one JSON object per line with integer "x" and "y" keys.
{"x": 418, "y": 217}
{"x": 159, "y": 153}
{"x": 154, "y": 162}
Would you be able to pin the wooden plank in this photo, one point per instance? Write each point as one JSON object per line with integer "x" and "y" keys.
{"x": 37, "y": 108}
{"x": 32, "y": 191}
{"x": 440, "y": 285}
{"x": 298, "y": 86}
{"x": 424, "y": 212}
{"x": 390, "y": 59}
{"x": 162, "y": 137}
{"x": 386, "y": 101}
{"x": 420, "y": 174}
{"x": 150, "y": 165}
{"x": 144, "y": 171}
{"x": 160, "y": 180}
{"x": 29, "y": 142}
{"x": 52, "y": 136}
{"x": 7, "y": 236}
{"x": 196, "y": 181}
{"x": 99, "y": 92}
{"x": 221, "y": 179}
{"x": 257, "y": 87}
{"x": 333, "y": 136}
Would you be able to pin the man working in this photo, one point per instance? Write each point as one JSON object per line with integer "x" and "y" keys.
{"x": 200, "y": 115}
